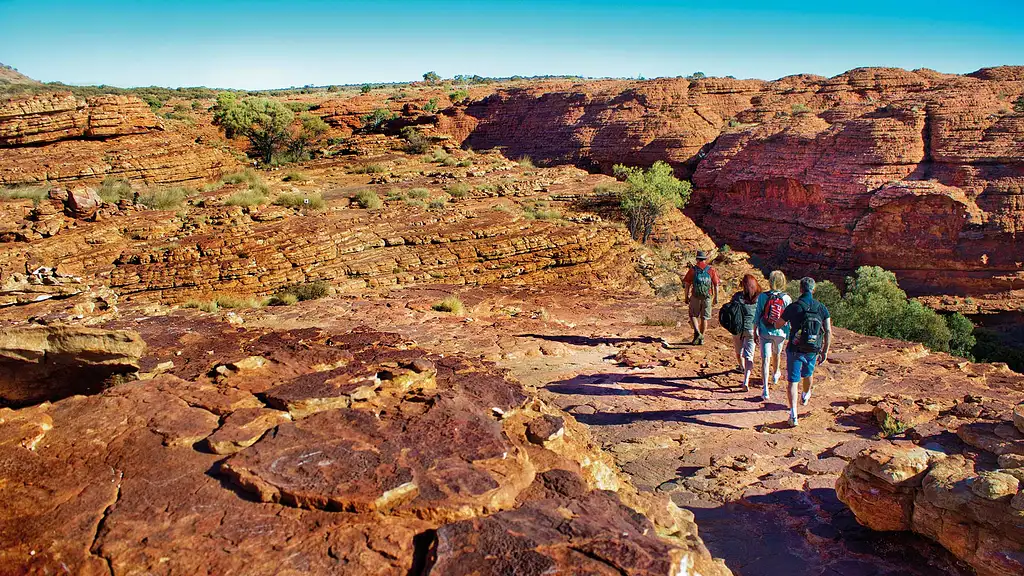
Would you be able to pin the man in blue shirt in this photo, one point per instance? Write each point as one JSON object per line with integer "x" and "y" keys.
{"x": 810, "y": 339}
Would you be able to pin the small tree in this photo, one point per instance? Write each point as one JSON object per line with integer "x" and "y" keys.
{"x": 365, "y": 89}
{"x": 374, "y": 121}
{"x": 431, "y": 77}
{"x": 310, "y": 133}
{"x": 264, "y": 122}
{"x": 649, "y": 193}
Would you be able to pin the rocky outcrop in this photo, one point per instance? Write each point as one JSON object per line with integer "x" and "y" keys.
{"x": 427, "y": 470}
{"x": 58, "y": 137}
{"x": 40, "y": 363}
{"x": 919, "y": 172}
{"x": 974, "y": 509}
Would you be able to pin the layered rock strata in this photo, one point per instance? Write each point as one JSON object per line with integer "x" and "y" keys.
{"x": 919, "y": 172}
{"x": 58, "y": 137}
{"x": 398, "y": 462}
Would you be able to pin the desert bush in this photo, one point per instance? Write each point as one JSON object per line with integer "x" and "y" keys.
{"x": 419, "y": 193}
{"x": 114, "y": 190}
{"x": 437, "y": 204}
{"x": 450, "y": 304}
{"x": 247, "y": 198}
{"x": 375, "y": 121}
{"x": 310, "y": 133}
{"x": 369, "y": 169}
{"x": 608, "y": 188}
{"x": 458, "y": 190}
{"x": 395, "y": 194}
{"x": 430, "y": 106}
{"x": 312, "y": 201}
{"x": 164, "y": 198}
{"x": 233, "y": 301}
{"x": 465, "y": 163}
{"x": 664, "y": 322}
{"x": 365, "y": 89}
{"x": 416, "y": 143}
{"x": 285, "y": 299}
{"x": 263, "y": 121}
{"x": 299, "y": 107}
{"x": 33, "y": 193}
{"x": 204, "y": 305}
{"x": 800, "y": 109}
{"x": 526, "y": 162}
{"x": 458, "y": 96}
{"x": 1018, "y": 105}
{"x": 415, "y": 202}
{"x": 295, "y": 176}
{"x": 648, "y": 194}
{"x": 368, "y": 199}
{"x": 874, "y": 304}
{"x": 541, "y": 213}
{"x": 431, "y": 77}
{"x": 303, "y": 292}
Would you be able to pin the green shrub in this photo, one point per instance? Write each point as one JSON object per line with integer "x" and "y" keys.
{"x": 33, "y": 193}
{"x": 285, "y": 299}
{"x": 419, "y": 193}
{"x": 466, "y": 163}
{"x": 263, "y": 121}
{"x": 430, "y": 106}
{"x": 664, "y": 322}
{"x": 310, "y": 134}
{"x": 416, "y": 143}
{"x": 437, "y": 204}
{"x": 313, "y": 201}
{"x": 114, "y": 190}
{"x": 369, "y": 169}
{"x": 233, "y": 301}
{"x": 540, "y": 213}
{"x": 365, "y": 89}
{"x": 439, "y": 156}
{"x": 303, "y": 292}
{"x": 416, "y": 203}
{"x": 164, "y": 198}
{"x": 395, "y": 194}
{"x": 375, "y": 121}
{"x": 800, "y": 109}
{"x": 648, "y": 194}
{"x": 526, "y": 162}
{"x": 368, "y": 199}
{"x": 458, "y": 96}
{"x": 458, "y": 190}
{"x": 1018, "y": 105}
{"x": 247, "y": 198}
{"x": 299, "y": 107}
{"x": 449, "y": 162}
{"x": 875, "y": 305}
{"x": 431, "y": 77}
{"x": 295, "y": 176}
{"x": 450, "y": 304}
{"x": 608, "y": 188}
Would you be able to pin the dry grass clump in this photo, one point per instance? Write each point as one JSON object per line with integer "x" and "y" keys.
{"x": 312, "y": 201}
{"x": 526, "y": 162}
{"x": 113, "y": 190}
{"x": 300, "y": 293}
{"x": 247, "y": 176}
{"x": 458, "y": 190}
{"x": 395, "y": 194}
{"x": 664, "y": 322}
{"x": 437, "y": 204}
{"x": 368, "y": 199}
{"x": 227, "y": 301}
{"x": 369, "y": 169}
{"x": 164, "y": 198}
{"x": 247, "y": 198}
{"x": 450, "y": 304}
{"x": 33, "y": 193}
{"x": 295, "y": 176}
{"x": 419, "y": 193}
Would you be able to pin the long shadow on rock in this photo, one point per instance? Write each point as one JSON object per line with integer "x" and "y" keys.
{"x": 810, "y": 533}
{"x": 688, "y": 416}
{"x": 586, "y": 341}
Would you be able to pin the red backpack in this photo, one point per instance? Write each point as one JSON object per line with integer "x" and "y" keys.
{"x": 773, "y": 309}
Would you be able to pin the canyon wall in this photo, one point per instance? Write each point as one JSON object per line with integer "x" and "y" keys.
{"x": 919, "y": 172}
{"x": 58, "y": 137}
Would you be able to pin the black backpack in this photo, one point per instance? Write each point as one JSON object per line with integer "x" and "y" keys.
{"x": 810, "y": 332}
{"x": 730, "y": 316}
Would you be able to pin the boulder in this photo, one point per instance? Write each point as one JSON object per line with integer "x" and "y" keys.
{"x": 82, "y": 203}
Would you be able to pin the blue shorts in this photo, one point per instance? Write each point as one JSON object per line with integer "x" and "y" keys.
{"x": 800, "y": 364}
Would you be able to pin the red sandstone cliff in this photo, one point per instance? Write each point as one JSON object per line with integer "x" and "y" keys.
{"x": 917, "y": 171}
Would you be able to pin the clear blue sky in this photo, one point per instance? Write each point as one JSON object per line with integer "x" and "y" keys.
{"x": 261, "y": 44}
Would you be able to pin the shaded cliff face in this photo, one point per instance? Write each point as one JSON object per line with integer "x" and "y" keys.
{"x": 919, "y": 172}
{"x": 58, "y": 137}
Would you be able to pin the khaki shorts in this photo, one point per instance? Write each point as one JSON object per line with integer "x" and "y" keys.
{"x": 700, "y": 307}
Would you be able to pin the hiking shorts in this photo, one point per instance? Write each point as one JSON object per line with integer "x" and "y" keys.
{"x": 744, "y": 344}
{"x": 700, "y": 307}
{"x": 800, "y": 365}
{"x": 771, "y": 346}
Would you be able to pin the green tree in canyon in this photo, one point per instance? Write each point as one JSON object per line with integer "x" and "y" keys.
{"x": 648, "y": 195}
{"x": 263, "y": 121}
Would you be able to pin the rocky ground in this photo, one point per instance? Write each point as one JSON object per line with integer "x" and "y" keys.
{"x": 368, "y": 432}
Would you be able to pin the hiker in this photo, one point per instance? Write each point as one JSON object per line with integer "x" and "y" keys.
{"x": 739, "y": 316}
{"x": 700, "y": 287}
{"x": 810, "y": 339}
{"x": 770, "y": 306}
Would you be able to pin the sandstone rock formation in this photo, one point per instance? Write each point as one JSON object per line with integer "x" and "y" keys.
{"x": 959, "y": 500}
{"x": 57, "y": 137}
{"x": 40, "y": 363}
{"x": 424, "y": 469}
{"x": 918, "y": 172}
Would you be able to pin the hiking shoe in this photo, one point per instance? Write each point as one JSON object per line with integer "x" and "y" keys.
{"x": 793, "y": 420}
{"x": 778, "y": 374}
{"x": 764, "y": 394}
{"x": 805, "y": 398}
{"x": 700, "y": 340}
